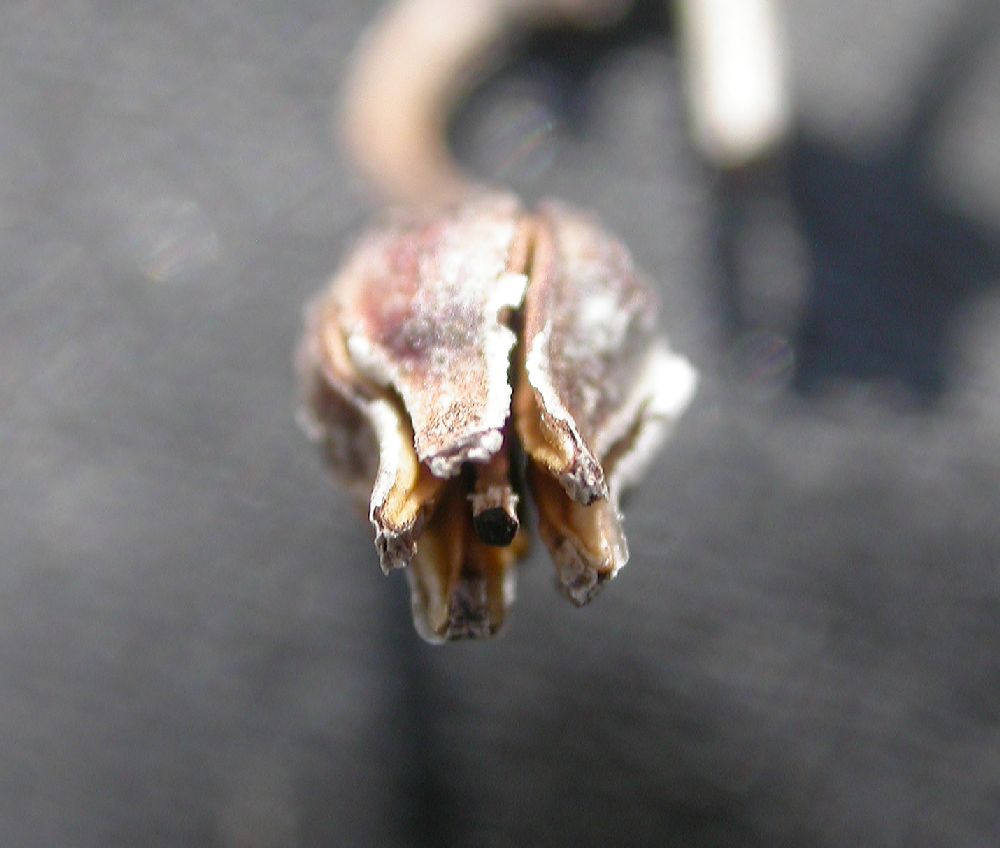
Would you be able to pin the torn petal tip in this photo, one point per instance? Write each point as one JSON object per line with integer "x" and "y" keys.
{"x": 585, "y": 482}
{"x": 580, "y": 575}
{"x": 579, "y": 586}
{"x": 395, "y": 550}
{"x": 480, "y": 448}
{"x": 469, "y": 611}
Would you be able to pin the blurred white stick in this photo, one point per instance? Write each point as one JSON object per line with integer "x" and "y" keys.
{"x": 735, "y": 78}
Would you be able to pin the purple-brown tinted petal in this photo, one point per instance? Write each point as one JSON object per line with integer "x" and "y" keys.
{"x": 424, "y": 307}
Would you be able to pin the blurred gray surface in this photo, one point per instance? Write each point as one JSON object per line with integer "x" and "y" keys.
{"x": 196, "y": 644}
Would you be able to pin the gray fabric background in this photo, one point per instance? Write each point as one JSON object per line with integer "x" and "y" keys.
{"x": 196, "y": 644}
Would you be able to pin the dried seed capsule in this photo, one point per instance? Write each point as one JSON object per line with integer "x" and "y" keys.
{"x": 408, "y": 356}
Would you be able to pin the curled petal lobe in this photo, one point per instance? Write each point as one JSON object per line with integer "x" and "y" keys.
{"x": 597, "y": 385}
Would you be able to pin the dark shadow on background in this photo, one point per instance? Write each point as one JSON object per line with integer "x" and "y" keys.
{"x": 567, "y": 59}
{"x": 890, "y": 265}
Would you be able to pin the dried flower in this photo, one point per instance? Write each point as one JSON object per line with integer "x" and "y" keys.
{"x": 406, "y": 364}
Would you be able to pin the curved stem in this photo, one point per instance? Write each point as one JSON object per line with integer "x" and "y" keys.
{"x": 417, "y": 61}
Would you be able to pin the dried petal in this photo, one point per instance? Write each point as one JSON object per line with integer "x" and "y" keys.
{"x": 337, "y": 422}
{"x": 595, "y": 383}
{"x": 422, "y": 309}
{"x": 586, "y": 542}
{"x": 404, "y": 490}
{"x": 461, "y": 588}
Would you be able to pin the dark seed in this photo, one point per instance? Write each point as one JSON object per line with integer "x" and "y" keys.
{"x": 496, "y": 526}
